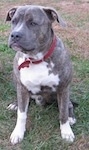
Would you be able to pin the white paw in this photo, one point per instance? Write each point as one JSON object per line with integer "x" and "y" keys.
{"x": 71, "y": 120}
{"x": 66, "y": 132}
{"x": 16, "y": 136}
{"x": 12, "y": 107}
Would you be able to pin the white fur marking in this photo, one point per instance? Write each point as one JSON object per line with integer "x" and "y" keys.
{"x": 52, "y": 64}
{"x": 39, "y": 56}
{"x": 19, "y": 27}
{"x": 66, "y": 132}
{"x": 37, "y": 75}
{"x": 18, "y": 133}
{"x": 71, "y": 120}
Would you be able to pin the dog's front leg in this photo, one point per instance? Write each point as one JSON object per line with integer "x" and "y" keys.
{"x": 63, "y": 104}
{"x": 23, "y": 101}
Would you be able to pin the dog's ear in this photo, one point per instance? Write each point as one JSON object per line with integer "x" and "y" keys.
{"x": 53, "y": 15}
{"x": 10, "y": 14}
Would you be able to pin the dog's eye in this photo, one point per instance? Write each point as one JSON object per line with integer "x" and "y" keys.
{"x": 33, "y": 23}
{"x": 14, "y": 21}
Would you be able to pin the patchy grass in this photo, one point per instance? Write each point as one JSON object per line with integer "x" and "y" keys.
{"x": 42, "y": 125}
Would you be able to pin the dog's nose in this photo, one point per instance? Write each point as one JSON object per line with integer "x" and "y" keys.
{"x": 16, "y": 36}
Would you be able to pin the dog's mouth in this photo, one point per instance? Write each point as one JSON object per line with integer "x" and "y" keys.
{"x": 17, "y": 47}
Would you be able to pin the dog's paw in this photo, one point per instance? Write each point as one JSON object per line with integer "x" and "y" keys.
{"x": 71, "y": 120}
{"x": 12, "y": 106}
{"x": 66, "y": 132}
{"x": 16, "y": 136}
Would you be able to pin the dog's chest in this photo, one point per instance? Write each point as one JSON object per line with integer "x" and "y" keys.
{"x": 37, "y": 75}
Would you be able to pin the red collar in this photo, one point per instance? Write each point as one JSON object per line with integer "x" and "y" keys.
{"x": 33, "y": 61}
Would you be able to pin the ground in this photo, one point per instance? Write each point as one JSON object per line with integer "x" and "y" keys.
{"x": 43, "y": 128}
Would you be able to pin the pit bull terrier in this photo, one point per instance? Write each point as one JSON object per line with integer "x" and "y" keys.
{"x": 42, "y": 66}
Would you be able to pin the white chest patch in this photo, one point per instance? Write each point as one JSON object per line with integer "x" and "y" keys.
{"x": 37, "y": 75}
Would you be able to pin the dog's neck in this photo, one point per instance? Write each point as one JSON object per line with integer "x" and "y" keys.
{"x": 31, "y": 60}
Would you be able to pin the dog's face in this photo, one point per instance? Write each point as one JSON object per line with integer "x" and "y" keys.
{"x": 31, "y": 27}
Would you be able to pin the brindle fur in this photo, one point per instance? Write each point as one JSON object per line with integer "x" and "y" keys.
{"x": 41, "y": 42}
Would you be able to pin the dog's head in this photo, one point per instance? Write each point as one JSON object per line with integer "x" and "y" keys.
{"x": 31, "y": 27}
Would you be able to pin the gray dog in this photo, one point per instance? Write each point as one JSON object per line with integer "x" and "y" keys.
{"x": 42, "y": 66}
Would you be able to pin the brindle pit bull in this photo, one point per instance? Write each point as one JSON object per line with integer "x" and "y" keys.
{"x": 42, "y": 66}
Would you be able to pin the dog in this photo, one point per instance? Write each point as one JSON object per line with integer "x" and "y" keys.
{"x": 42, "y": 66}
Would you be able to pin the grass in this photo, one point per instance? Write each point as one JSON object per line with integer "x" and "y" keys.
{"x": 42, "y": 125}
